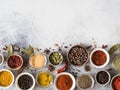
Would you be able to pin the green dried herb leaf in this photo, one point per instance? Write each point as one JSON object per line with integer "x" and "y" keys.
{"x": 10, "y": 49}
{"x": 114, "y": 48}
{"x": 28, "y": 52}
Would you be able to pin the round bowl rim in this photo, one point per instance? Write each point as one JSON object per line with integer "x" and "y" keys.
{"x": 65, "y": 73}
{"x": 24, "y": 73}
{"x": 107, "y": 61}
{"x": 12, "y": 77}
{"x": 85, "y": 50}
{"x": 17, "y": 67}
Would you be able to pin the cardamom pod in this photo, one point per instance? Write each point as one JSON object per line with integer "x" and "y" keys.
{"x": 10, "y": 49}
{"x": 114, "y": 48}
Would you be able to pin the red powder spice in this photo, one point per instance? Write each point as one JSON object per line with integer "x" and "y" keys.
{"x": 14, "y": 61}
{"x": 99, "y": 58}
{"x": 64, "y": 82}
{"x": 116, "y": 83}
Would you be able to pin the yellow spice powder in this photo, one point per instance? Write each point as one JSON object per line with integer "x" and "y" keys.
{"x": 37, "y": 61}
{"x": 44, "y": 79}
{"x": 5, "y": 78}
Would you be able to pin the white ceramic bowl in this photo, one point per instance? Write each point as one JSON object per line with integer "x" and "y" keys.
{"x": 25, "y": 73}
{"x": 84, "y": 49}
{"x": 38, "y": 82}
{"x": 91, "y": 79}
{"x": 17, "y": 67}
{"x": 51, "y": 62}
{"x": 12, "y": 80}
{"x": 107, "y": 61}
{"x": 112, "y": 80}
{"x": 38, "y": 67}
{"x": 108, "y": 79}
{"x": 65, "y": 73}
{"x": 2, "y": 59}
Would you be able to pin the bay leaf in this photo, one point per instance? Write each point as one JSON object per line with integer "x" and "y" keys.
{"x": 114, "y": 48}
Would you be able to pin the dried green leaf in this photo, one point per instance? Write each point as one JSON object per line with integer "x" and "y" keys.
{"x": 10, "y": 49}
{"x": 114, "y": 48}
{"x": 28, "y": 52}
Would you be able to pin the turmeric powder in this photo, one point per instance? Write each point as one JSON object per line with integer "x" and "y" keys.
{"x": 5, "y": 78}
{"x": 44, "y": 79}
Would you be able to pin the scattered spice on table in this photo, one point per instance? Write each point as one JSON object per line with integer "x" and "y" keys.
{"x": 5, "y": 78}
{"x": 56, "y": 45}
{"x": 37, "y": 60}
{"x": 25, "y": 82}
{"x": 64, "y": 82}
{"x": 88, "y": 47}
{"x": 104, "y": 46}
{"x": 51, "y": 67}
{"x": 44, "y": 79}
{"x": 116, "y": 83}
{"x": 99, "y": 57}
{"x": 102, "y": 77}
{"x": 47, "y": 51}
{"x": 55, "y": 58}
{"x": 5, "y": 47}
{"x": 14, "y": 61}
{"x": 78, "y": 55}
{"x": 109, "y": 69}
{"x": 65, "y": 46}
{"x": 87, "y": 68}
{"x": 84, "y": 81}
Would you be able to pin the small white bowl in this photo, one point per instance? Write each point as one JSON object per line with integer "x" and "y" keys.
{"x": 38, "y": 82}
{"x": 17, "y": 67}
{"x": 112, "y": 80}
{"x": 38, "y": 67}
{"x": 108, "y": 79}
{"x": 60, "y": 61}
{"x": 107, "y": 61}
{"x": 2, "y": 59}
{"x": 65, "y": 73}
{"x": 85, "y": 51}
{"x": 91, "y": 79}
{"x": 25, "y": 73}
{"x": 12, "y": 77}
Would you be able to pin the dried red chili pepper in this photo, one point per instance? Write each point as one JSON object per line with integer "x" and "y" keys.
{"x": 63, "y": 68}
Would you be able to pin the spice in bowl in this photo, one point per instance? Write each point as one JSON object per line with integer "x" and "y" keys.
{"x": 15, "y": 62}
{"x": 99, "y": 58}
{"x": 85, "y": 81}
{"x": 78, "y": 55}
{"x": 116, "y": 63}
{"x": 37, "y": 60}
{"x": 44, "y": 79}
{"x": 6, "y": 78}
{"x": 115, "y": 82}
{"x": 25, "y": 81}
{"x": 64, "y": 81}
{"x": 103, "y": 77}
{"x": 55, "y": 58}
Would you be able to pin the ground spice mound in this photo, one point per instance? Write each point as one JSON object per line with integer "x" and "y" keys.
{"x": 99, "y": 58}
{"x": 64, "y": 82}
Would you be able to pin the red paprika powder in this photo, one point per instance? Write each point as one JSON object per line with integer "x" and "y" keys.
{"x": 116, "y": 83}
{"x": 64, "y": 82}
{"x": 99, "y": 58}
{"x": 14, "y": 61}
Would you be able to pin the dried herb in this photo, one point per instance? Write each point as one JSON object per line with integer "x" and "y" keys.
{"x": 10, "y": 49}
{"x": 28, "y": 51}
{"x": 104, "y": 46}
{"x": 87, "y": 68}
{"x": 51, "y": 68}
{"x": 114, "y": 48}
